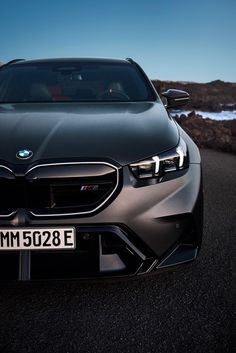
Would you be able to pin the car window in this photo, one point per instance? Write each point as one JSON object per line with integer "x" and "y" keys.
{"x": 55, "y": 82}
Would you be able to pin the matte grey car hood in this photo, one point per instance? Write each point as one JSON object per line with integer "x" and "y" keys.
{"x": 123, "y": 132}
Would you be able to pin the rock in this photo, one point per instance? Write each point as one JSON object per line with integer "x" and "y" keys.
{"x": 208, "y": 133}
{"x": 192, "y": 114}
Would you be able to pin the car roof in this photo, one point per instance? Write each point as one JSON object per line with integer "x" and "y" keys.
{"x": 70, "y": 60}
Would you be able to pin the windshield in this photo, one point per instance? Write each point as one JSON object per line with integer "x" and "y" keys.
{"x": 73, "y": 81}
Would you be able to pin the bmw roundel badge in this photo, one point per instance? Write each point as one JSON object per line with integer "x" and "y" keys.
{"x": 24, "y": 154}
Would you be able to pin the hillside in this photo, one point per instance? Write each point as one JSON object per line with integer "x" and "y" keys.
{"x": 214, "y": 96}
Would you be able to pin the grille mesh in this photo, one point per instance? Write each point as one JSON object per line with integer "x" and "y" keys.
{"x": 56, "y": 195}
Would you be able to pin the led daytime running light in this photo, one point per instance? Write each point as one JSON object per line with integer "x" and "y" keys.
{"x": 166, "y": 162}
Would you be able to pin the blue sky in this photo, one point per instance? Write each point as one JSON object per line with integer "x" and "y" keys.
{"x": 174, "y": 39}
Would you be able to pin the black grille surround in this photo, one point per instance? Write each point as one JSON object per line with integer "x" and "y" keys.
{"x": 61, "y": 189}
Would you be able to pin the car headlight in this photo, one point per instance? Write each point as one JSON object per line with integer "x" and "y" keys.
{"x": 157, "y": 166}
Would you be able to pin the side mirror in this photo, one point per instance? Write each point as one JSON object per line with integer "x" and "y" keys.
{"x": 175, "y": 98}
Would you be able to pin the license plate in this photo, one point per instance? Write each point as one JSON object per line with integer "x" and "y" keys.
{"x": 37, "y": 238}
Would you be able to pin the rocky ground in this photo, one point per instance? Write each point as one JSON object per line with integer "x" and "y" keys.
{"x": 214, "y": 96}
{"x": 208, "y": 133}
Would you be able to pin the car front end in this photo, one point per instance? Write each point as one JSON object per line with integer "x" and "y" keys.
{"x": 94, "y": 188}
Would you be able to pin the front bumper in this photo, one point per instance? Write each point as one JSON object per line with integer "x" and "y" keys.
{"x": 143, "y": 229}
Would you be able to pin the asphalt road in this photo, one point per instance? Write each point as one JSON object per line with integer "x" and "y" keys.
{"x": 187, "y": 310}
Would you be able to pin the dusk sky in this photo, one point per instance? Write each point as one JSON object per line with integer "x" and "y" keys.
{"x": 173, "y": 40}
